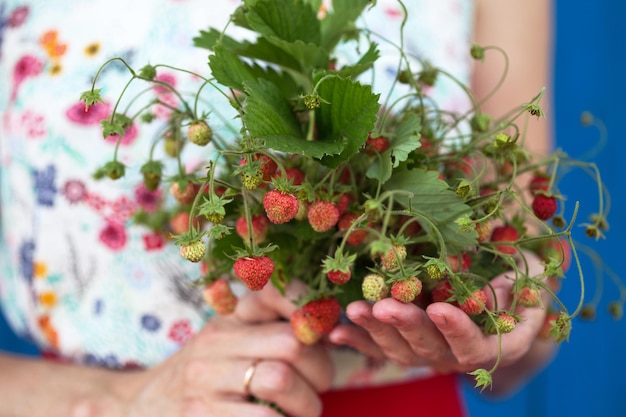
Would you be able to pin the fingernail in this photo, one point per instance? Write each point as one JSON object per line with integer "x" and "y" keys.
{"x": 439, "y": 319}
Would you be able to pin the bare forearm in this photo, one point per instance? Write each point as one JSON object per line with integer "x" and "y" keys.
{"x": 33, "y": 388}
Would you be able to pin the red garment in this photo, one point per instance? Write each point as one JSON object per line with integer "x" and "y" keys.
{"x": 437, "y": 396}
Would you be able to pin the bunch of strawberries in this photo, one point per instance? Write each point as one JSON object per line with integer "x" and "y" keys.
{"x": 358, "y": 201}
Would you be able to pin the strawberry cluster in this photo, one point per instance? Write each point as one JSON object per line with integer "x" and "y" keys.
{"x": 326, "y": 186}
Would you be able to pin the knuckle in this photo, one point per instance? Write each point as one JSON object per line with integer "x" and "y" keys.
{"x": 278, "y": 377}
{"x": 291, "y": 349}
{"x": 193, "y": 370}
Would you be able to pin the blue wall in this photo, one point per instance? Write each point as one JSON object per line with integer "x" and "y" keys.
{"x": 586, "y": 377}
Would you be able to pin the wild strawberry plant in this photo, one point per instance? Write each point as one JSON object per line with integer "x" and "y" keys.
{"x": 358, "y": 199}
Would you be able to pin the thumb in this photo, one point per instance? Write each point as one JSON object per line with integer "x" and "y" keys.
{"x": 269, "y": 304}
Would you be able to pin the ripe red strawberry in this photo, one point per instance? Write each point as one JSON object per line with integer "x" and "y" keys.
{"x": 548, "y": 322}
{"x": 474, "y": 304}
{"x": 374, "y": 287}
{"x": 323, "y": 314}
{"x": 301, "y": 327}
{"x": 484, "y": 230}
{"x": 539, "y": 183}
{"x": 357, "y": 236}
{"x": 528, "y": 296}
{"x": 199, "y": 133}
{"x": 254, "y": 271}
{"x": 267, "y": 166}
{"x": 322, "y": 215}
{"x": 376, "y": 145}
{"x": 339, "y": 277}
{"x": 460, "y": 266}
{"x": 442, "y": 291}
{"x": 552, "y": 249}
{"x": 392, "y": 258}
{"x": 186, "y": 195}
{"x": 219, "y": 296}
{"x": 505, "y": 234}
{"x": 343, "y": 202}
{"x": 295, "y": 175}
{"x": 280, "y": 207}
{"x": 193, "y": 251}
{"x": 259, "y": 224}
{"x": 544, "y": 206}
{"x": 406, "y": 290}
{"x": 179, "y": 224}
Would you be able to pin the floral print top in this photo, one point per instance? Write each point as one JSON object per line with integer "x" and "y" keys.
{"x": 77, "y": 274}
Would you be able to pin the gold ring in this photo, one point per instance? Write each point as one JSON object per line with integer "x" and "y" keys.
{"x": 247, "y": 377}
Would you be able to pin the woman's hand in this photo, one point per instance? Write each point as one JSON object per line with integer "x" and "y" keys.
{"x": 206, "y": 377}
{"x": 441, "y": 336}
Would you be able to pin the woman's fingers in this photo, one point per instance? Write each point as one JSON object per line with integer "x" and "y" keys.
{"x": 467, "y": 342}
{"x": 269, "y": 304}
{"x": 414, "y": 325}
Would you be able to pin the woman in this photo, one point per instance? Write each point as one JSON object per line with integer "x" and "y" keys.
{"x": 92, "y": 289}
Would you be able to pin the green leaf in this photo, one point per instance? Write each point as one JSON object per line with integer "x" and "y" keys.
{"x": 288, "y": 20}
{"x": 337, "y": 23}
{"x": 229, "y": 70}
{"x": 111, "y": 128}
{"x": 268, "y": 116}
{"x": 349, "y": 117}
{"x": 364, "y": 63}
{"x": 262, "y": 50}
{"x": 308, "y": 55}
{"x": 292, "y": 26}
{"x": 432, "y": 198}
{"x": 403, "y": 142}
{"x": 91, "y": 97}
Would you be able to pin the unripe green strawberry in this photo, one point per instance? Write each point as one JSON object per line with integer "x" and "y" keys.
{"x": 474, "y": 304}
{"x": 214, "y": 217}
{"x": 200, "y": 133}
{"x": 434, "y": 272}
{"x": 172, "y": 146}
{"x": 544, "y": 206}
{"x": 280, "y": 207}
{"x": 505, "y": 323}
{"x": 267, "y": 166}
{"x": 193, "y": 251}
{"x": 254, "y": 271}
{"x": 301, "y": 327}
{"x": 339, "y": 277}
{"x": 322, "y": 215}
{"x": 374, "y": 287}
{"x": 220, "y": 297}
{"x": 406, "y": 290}
{"x": 252, "y": 182}
{"x": 152, "y": 172}
{"x": 260, "y": 226}
{"x": 392, "y": 258}
{"x": 323, "y": 314}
